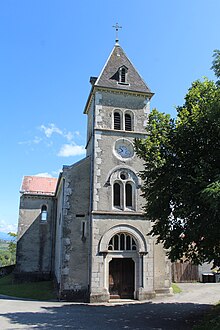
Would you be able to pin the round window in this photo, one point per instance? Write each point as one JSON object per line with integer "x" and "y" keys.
{"x": 123, "y": 176}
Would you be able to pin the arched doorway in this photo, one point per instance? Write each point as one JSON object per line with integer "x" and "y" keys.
{"x": 121, "y": 278}
{"x": 122, "y": 267}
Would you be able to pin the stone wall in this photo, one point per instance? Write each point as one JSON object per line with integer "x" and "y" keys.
{"x": 74, "y": 282}
{"x": 35, "y": 238}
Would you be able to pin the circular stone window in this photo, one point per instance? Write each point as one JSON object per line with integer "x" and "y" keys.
{"x": 123, "y": 176}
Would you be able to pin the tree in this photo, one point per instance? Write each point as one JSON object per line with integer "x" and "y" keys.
{"x": 8, "y": 253}
{"x": 12, "y": 246}
{"x": 216, "y": 65}
{"x": 181, "y": 176}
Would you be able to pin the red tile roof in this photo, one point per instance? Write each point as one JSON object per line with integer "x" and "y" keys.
{"x": 38, "y": 185}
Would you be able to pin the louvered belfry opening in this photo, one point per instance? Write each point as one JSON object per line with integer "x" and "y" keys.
{"x": 127, "y": 122}
{"x": 117, "y": 120}
{"x": 123, "y": 75}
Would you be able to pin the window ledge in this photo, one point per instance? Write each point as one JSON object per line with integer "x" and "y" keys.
{"x": 123, "y": 83}
{"x": 119, "y": 212}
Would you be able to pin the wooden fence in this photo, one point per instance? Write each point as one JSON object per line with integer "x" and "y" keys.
{"x": 184, "y": 272}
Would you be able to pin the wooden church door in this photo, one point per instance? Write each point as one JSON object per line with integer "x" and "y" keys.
{"x": 121, "y": 278}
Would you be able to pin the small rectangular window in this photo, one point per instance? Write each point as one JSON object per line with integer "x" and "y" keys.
{"x": 44, "y": 213}
{"x": 83, "y": 230}
{"x": 44, "y": 216}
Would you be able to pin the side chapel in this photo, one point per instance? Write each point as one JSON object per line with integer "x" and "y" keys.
{"x": 86, "y": 229}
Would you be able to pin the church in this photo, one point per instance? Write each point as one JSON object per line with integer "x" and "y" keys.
{"x": 87, "y": 230}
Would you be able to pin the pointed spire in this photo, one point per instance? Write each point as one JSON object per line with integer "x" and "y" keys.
{"x": 111, "y": 72}
{"x": 116, "y": 26}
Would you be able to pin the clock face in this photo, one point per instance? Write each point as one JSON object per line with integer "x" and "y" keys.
{"x": 124, "y": 148}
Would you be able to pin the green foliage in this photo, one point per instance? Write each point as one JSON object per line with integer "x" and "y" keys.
{"x": 12, "y": 244}
{"x": 8, "y": 251}
{"x": 38, "y": 290}
{"x": 216, "y": 64}
{"x": 182, "y": 175}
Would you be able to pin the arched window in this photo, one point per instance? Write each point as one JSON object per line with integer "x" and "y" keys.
{"x": 117, "y": 120}
{"x": 122, "y": 242}
{"x": 117, "y": 195}
{"x": 128, "y": 195}
{"x": 128, "y": 123}
{"x": 124, "y": 184}
{"x": 44, "y": 213}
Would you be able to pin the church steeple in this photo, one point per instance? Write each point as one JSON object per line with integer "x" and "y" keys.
{"x": 120, "y": 73}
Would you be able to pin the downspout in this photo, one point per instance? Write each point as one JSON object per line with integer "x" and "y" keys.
{"x": 53, "y": 234}
{"x": 61, "y": 238}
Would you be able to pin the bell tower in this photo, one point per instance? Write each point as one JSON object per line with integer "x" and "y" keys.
{"x": 117, "y": 109}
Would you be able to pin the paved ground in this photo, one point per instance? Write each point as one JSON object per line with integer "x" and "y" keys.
{"x": 180, "y": 311}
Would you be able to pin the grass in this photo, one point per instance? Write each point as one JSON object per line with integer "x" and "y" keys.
{"x": 175, "y": 288}
{"x": 211, "y": 320}
{"x": 32, "y": 290}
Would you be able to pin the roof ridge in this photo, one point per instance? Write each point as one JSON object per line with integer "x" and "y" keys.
{"x": 106, "y": 62}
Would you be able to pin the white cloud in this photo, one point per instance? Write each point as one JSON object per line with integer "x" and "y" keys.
{"x": 49, "y": 175}
{"x": 68, "y": 150}
{"x": 44, "y": 174}
{"x": 36, "y": 140}
{"x": 56, "y": 173}
{"x": 7, "y": 227}
{"x": 68, "y": 136}
{"x": 51, "y": 129}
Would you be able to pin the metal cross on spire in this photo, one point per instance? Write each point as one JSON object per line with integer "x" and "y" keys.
{"x": 116, "y": 26}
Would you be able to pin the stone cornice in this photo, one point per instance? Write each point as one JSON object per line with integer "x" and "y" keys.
{"x": 119, "y": 213}
{"x": 114, "y": 91}
{"x": 118, "y": 132}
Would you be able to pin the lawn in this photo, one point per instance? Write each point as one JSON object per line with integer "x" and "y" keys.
{"x": 32, "y": 290}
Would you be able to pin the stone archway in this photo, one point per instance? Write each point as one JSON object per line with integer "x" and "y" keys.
{"x": 123, "y": 263}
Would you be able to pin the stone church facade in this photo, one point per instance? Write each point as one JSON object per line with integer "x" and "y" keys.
{"x": 86, "y": 229}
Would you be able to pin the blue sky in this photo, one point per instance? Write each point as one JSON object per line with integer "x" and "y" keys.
{"x": 50, "y": 48}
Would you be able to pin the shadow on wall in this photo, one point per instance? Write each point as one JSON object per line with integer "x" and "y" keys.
{"x": 34, "y": 247}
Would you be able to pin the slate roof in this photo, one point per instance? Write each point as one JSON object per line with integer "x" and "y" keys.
{"x": 38, "y": 185}
{"x": 109, "y": 76}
